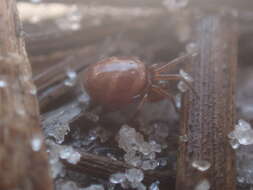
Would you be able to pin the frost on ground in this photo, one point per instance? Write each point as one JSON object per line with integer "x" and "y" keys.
{"x": 241, "y": 139}
{"x": 71, "y": 185}
{"x": 71, "y": 130}
{"x": 243, "y": 133}
{"x": 132, "y": 178}
{"x": 56, "y": 123}
{"x": 56, "y": 127}
{"x": 57, "y": 152}
{"x": 138, "y": 152}
{"x": 244, "y": 164}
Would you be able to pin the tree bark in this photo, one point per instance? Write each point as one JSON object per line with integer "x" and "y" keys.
{"x": 207, "y": 120}
{"x": 23, "y": 160}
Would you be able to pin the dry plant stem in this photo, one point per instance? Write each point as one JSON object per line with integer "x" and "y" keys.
{"x": 208, "y": 120}
{"x": 21, "y": 167}
{"x": 103, "y": 167}
{"x": 50, "y": 83}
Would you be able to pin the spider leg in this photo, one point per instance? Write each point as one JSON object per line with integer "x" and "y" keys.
{"x": 175, "y": 61}
{"x": 142, "y": 102}
{"x": 175, "y": 77}
{"x": 140, "y": 105}
{"x": 164, "y": 93}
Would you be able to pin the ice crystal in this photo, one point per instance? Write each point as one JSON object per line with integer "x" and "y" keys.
{"x": 139, "y": 152}
{"x": 132, "y": 178}
{"x": 149, "y": 164}
{"x": 182, "y": 86}
{"x": 57, "y": 152}
{"x": 178, "y": 100}
{"x": 154, "y": 186}
{"x": 185, "y": 75}
{"x": 117, "y": 178}
{"x": 33, "y": 90}
{"x": 234, "y": 143}
{"x": 3, "y": 83}
{"x": 201, "y": 165}
{"x": 94, "y": 187}
{"x": 69, "y": 154}
{"x": 69, "y": 185}
{"x": 192, "y": 48}
{"x": 244, "y": 164}
{"x": 183, "y": 138}
{"x": 134, "y": 175}
{"x": 242, "y": 132}
{"x": 36, "y": 142}
{"x": 56, "y": 123}
{"x": 72, "y": 78}
{"x": 203, "y": 185}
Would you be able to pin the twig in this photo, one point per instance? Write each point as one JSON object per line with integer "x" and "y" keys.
{"x": 50, "y": 83}
{"x": 23, "y": 160}
{"x": 103, "y": 167}
{"x": 208, "y": 120}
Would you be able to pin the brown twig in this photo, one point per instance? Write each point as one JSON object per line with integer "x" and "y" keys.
{"x": 103, "y": 167}
{"x": 208, "y": 120}
{"x": 22, "y": 165}
{"x": 50, "y": 83}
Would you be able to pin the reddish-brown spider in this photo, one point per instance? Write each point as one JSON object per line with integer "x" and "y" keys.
{"x": 117, "y": 81}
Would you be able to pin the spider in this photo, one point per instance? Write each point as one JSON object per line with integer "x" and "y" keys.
{"x": 117, "y": 81}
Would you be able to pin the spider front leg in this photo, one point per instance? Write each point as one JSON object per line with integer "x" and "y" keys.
{"x": 175, "y": 77}
{"x": 175, "y": 61}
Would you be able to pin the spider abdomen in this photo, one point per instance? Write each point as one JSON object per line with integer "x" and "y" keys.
{"x": 115, "y": 81}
